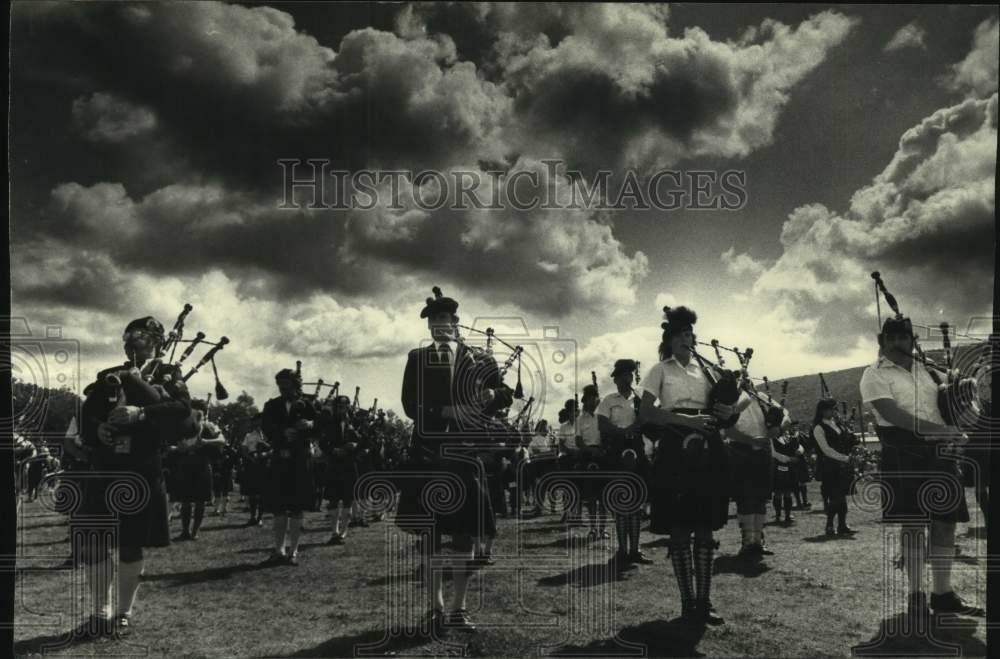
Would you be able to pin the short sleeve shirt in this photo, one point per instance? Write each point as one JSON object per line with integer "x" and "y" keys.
{"x": 588, "y": 429}
{"x": 675, "y": 385}
{"x": 567, "y": 435}
{"x": 618, "y": 409}
{"x": 914, "y": 391}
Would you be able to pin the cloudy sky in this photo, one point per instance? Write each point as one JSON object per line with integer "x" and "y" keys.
{"x": 145, "y": 141}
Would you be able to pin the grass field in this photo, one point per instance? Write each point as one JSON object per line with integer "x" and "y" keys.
{"x": 549, "y": 593}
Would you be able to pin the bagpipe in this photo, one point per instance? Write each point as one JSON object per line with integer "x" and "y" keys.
{"x": 148, "y": 385}
{"x": 957, "y": 391}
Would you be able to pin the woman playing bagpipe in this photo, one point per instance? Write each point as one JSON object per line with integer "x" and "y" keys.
{"x": 131, "y": 413}
{"x": 690, "y": 471}
{"x": 618, "y": 419}
{"x": 288, "y": 426}
{"x": 800, "y": 466}
{"x": 751, "y": 458}
{"x": 255, "y": 452}
{"x": 451, "y": 392}
{"x": 834, "y": 442}
{"x": 339, "y": 441}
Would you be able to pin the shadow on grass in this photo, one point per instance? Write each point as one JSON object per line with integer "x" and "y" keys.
{"x": 892, "y": 639}
{"x": 560, "y": 543}
{"x": 224, "y": 527}
{"x": 175, "y": 579}
{"x": 657, "y": 638}
{"x": 732, "y": 564}
{"x": 78, "y": 637}
{"x": 659, "y": 542}
{"x": 380, "y": 643}
{"x": 585, "y": 576}
{"x": 826, "y": 538}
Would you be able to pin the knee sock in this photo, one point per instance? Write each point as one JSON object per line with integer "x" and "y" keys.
{"x": 294, "y": 531}
{"x": 128, "y": 585}
{"x": 199, "y": 515}
{"x": 622, "y": 529}
{"x": 914, "y": 554}
{"x": 746, "y": 529}
{"x": 634, "y": 527}
{"x": 186, "y": 517}
{"x": 941, "y": 558}
{"x": 99, "y": 578}
{"x": 776, "y": 502}
{"x": 680, "y": 556}
{"x": 798, "y": 496}
{"x": 786, "y": 499}
{"x": 703, "y": 555}
{"x": 805, "y": 494}
{"x": 280, "y": 526}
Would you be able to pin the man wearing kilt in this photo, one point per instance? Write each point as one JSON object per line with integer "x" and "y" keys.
{"x": 911, "y": 429}
{"x": 691, "y": 470}
{"x": 254, "y": 475}
{"x": 126, "y": 441}
{"x": 287, "y": 423}
{"x": 786, "y": 453}
{"x": 223, "y": 463}
{"x": 752, "y": 477}
{"x": 834, "y": 443}
{"x": 448, "y": 391}
{"x": 194, "y": 477}
{"x": 800, "y": 467}
{"x": 339, "y": 442}
{"x": 591, "y": 462}
{"x": 619, "y": 424}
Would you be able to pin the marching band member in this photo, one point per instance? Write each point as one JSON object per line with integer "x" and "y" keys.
{"x": 254, "y": 450}
{"x": 834, "y": 443}
{"x": 448, "y": 390}
{"x": 287, "y": 423}
{"x": 339, "y": 441}
{"x": 194, "y": 486}
{"x": 910, "y": 427}
{"x": 544, "y": 451}
{"x": 691, "y": 469}
{"x": 619, "y": 425}
{"x": 129, "y": 440}
{"x": 591, "y": 456}
{"x": 800, "y": 466}
{"x": 751, "y": 463}
{"x": 786, "y": 453}
{"x": 569, "y": 452}
{"x": 223, "y": 464}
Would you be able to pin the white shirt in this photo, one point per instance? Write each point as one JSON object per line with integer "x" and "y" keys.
{"x": 588, "y": 429}
{"x": 914, "y": 391}
{"x": 675, "y": 385}
{"x": 541, "y": 444}
{"x": 751, "y": 427}
{"x": 567, "y": 435}
{"x": 618, "y": 409}
{"x": 252, "y": 440}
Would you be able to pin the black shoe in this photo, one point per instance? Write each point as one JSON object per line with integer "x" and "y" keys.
{"x": 460, "y": 621}
{"x": 640, "y": 558}
{"x": 435, "y": 621}
{"x": 749, "y": 552}
{"x": 293, "y": 559}
{"x": 335, "y": 540}
{"x": 764, "y": 551}
{"x": 275, "y": 559}
{"x": 194, "y": 536}
{"x": 185, "y": 535}
{"x": 709, "y": 616}
{"x": 789, "y": 520}
{"x": 691, "y": 615}
{"x": 122, "y": 625}
{"x": 950, "y": 602}
{"x": 830, "y": 533}
{"x": 251, "y": 522}
{"x": 845, "y": 530}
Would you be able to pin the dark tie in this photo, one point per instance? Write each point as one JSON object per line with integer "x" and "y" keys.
{"x": 444, "y": 354}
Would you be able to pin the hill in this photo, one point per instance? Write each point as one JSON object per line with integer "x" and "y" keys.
{"x": 804, "y": 390}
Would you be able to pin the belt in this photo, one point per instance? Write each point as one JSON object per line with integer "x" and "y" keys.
{"x": 688, "y": 410}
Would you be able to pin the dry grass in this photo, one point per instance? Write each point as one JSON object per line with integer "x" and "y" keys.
{"x": 549, "y": 593}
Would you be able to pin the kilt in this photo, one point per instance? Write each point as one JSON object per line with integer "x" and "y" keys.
{"x": 592, "y": 466}
{"x": 836, "y": 478}
{"x": 288, "y": 487}
{"x": 455, "y": 503}
{"x": 784, "y": 478}
{"x": 222, "y": 478}
{"x": 193, "y": 480}
{"x": 341, "y": 477}
{"x": 253, "y": 478}
{"x": 801, "y": 469}
{"x": 690, "y": 488}
{"x": 920, "y": 485}
{"x": 139, "y": 525}
{"x": 751, "y": 482}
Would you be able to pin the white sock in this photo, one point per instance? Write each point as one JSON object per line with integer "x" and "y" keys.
{"x": 914, "y": 553}
{"x": 294, "y": 530}
{"x": 941, "y": 560}
{"x": 128, "y": 585}
{"x": 99, "y": 578}
{"x": 280, "y": 526}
